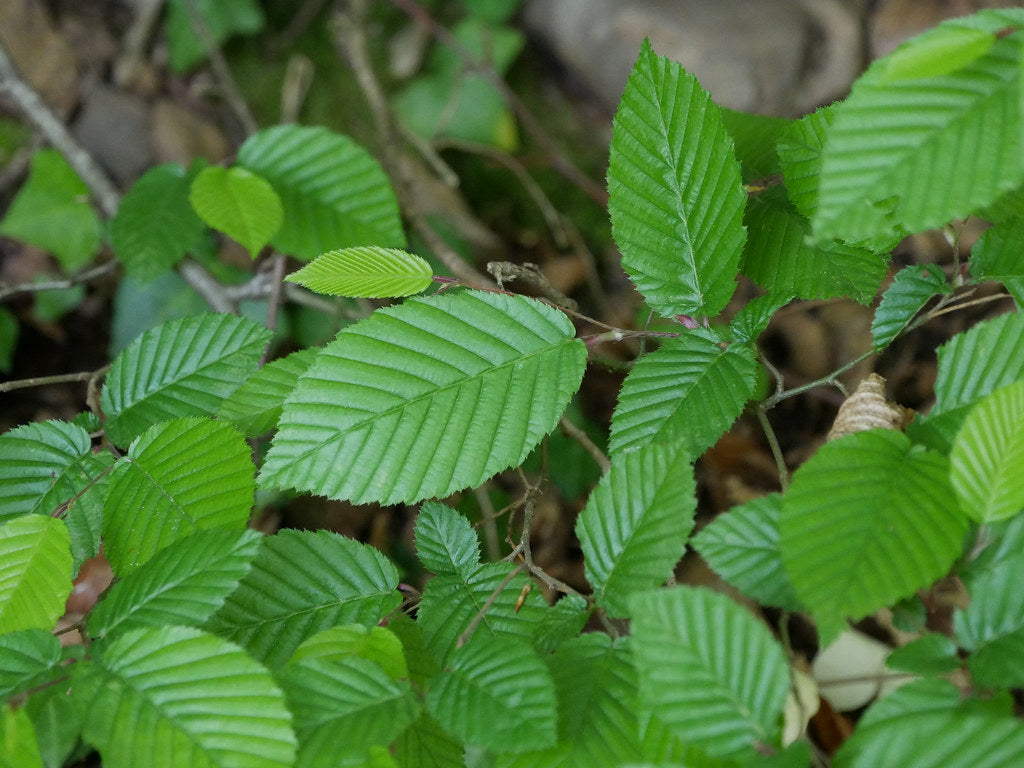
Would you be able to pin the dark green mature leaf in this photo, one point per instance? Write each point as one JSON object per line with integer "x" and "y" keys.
{"x": 155, "y": 225}
{"x": 35, "y": 572}
{"x": 57, "y": 724}
{"x": 634, "y": 527}
{"x": 992, "y": 626}
{"x": 496, "y": 693}
{"x": 427, "y": 398}
{"x": 930, "y": 654}
{"x": 997, "y": 255}
{"x": 926, "y": 171}
{"x": 891, "y": 525}
{"x": 27, "y": 658}
{"x": 910, "y": 290}
{"x": 445, "y": 541}
{"x": 689, "y": 390}
{"x": 979, "y": 361}
{"x": 369, "y": 271}
{"x": 752, "y": 320}
{"x": 256, "y": 406}
{"x": 172, "y": 696}
{"x": 742, "y": 546}
{"x": 799, "y": 151}
{"x": 34, "y": 458}
{"x": 223, "y": 18}
{"x": 239, "y": 203}
{"x": 179, "y": 477}
{"x": 755, "y": 137}
{"x": 709, "y": 669}
{"x": 334, "y": 193}
{"x": 183, "y": 584}
{"x": 301, "y": 583}
{"x": 675, "y": 196}
{"x": 425, "y": 744}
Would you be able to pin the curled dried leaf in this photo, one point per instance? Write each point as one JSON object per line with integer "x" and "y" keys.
{"x": 867, "y": 408}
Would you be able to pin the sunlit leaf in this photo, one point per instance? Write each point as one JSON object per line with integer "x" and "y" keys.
{"x": 35, "y": 572}
{"x": 369, "y": 272}
{"x": 239, "y": 203}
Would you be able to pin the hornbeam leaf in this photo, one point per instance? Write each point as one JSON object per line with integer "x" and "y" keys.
{"x": 35, "y": 572}
{"x": 239, "y": 203}
{"x": 910, "y": 290}
{"x": 27, "y": 659}
{"x": 445, "y": 541}
{"x": 256, "y": 406}
{"x": 369, "y": 272}
{"x": 427, "y": 398}
{"x": 979, "y": 361}
{"x": 997, "y": 255}
{"x": 675, "y": 195}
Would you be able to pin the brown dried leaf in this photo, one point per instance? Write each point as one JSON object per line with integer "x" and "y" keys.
{"x": 867, "y": 408}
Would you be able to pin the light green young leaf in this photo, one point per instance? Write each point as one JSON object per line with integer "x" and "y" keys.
{"x": 183, "y": 584}
{"x": 752, "y": 320}
{"x": 155, "y": 225}
{"x": 223, "y": 18}
{"x": 742, "y": 546}
{"x": 334, "y": 194}
{"x": 997, "y": 255}
{"x": 179, "y": 477}
{"x": 979, "y": 361}
{"x": 634, "y": 527}
{"x": 755, "y": 137}
{"x": 35, "y": 572}
{"x": 496, "y": 693}
{"x": 942, "y": 52}
{"x": 239, "y": 203}
{"x": 27, "y": 659}
{"x": 183, "y": 367}
{"x": 711, "y": 671}
{"x": 172, "y": 696}
{"x": 919, "y": 176}
{"x": 256, "y": 406}
{"x": 690, "y": 390}
{"x": 52, "y": 211}
{"x": 331, "y": 580}
{"x": 675, "y": 195}
{"x": 987, "y": 455}
{"x": 891, "y": 524}
{"x": 18, "y": 745}
{"x": 368, "y": 271}
{"x": 343, "y": 707}
{"x": 910, "y": 290}
{"x": 377, "y": 644}
{"x": 992, "y": 626}
{"x": 445, "y": 541}
{"x": 426, "y": 398}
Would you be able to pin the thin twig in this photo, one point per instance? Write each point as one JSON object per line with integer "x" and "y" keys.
{"x": 572, "y": 431}
{"x": 487, "y": 521}
{"x": 773, "y": 444}
{"x": 206, "y": 285}
{"x": 471, "y": 627}
{"x": 830, "y": 379}
{"x": 133, "y": 44}
{"x": 42, "y": 381}
{"x": 58, "y": 285}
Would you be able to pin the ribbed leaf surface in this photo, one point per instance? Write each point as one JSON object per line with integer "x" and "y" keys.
{"x": 425, "y": 744}
{"x": 344, "y": 707}
{"x": 377, "y": 644}
{"x": 34, "y": 458}
{"x": 301, "y": 583}
{"x": 675, "y": 196}
{"x": 35, "y": 572}
{"x": 910, "y": 290}
{"x": 931, "y": 654}
{"x": 992, "y": 626}
{"x": 742, "y": 546}
{"x": 709, "y": 669}
{"x": 997, "y": 255}
{"x": 183, "y": 584}
{"x": 174, "y": 696}
{"x": 334, "y": 193}
{"x": 427, "y": 398}
{"x": 634, "y": 527}
{"x": 979, "y": 361}
{"x": 445, "y": 541}
{"x": 155, "y": 224}
{"x": 752, "y": 320}
{"x": 181, "y": 476}
{"x": 184, "y": 367}
{"x": 779, "y": 257}
{"x": 891, "y": 525}
{"x": 370, "y": 271}
{"x": 755, "y": 137}
{"x": 57, "y": 724}
{"x": 496, "y": 693}
{"x": 912, "y": 153}
{"x": 239, "y": 203}
{"x": 26, "y": 658}
{"x": 256, "y": 406}
{"x": 799, "y": 151}
{"x": 690, "y": 390}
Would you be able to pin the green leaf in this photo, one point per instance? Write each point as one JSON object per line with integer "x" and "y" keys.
{"x": 52, "y": 211}
{"x": 343, "y": 707}
{"x": 172, "y": 696}
{"x": 57, "y": 724}
{"x": 183, "y": 584}
{"x": 8, "y": 339}
{"x": 752, "y": 320}
{"x": 780, "y": 258}
{"x": 34, "y": 459}
{"x": 179, "y": 477}
{"x": 427, "y": 398}
{"x": 891, "y": 525}
{"x": 997, "y": 542}
{"x": 445, "y": 541}
{"x": 256, "y": 406}
{"x": 183, "y": 367}
{"x": 910, "y": 290}
{"x": 742, "y": 546}
{"x": 675, "y": 197}
{"x": 979, "y": 361}
{"x": 634, "y": 527}
{"x": 755, "y": 137}
{"x": 155, "y": 225}
{"x": 223, "y": 18}
{"x": 425, "y": 744}
{"x": 562, "y": 622}
{"x": 334, "y": 193}
{"x": 799, "y": 150}
{"x": 369, "y": 272}
{"x": 27, "y": 659}
{"x": 997, "y": 255}
{"x": 239, "y": 203}
{"x": 689, "y": 390}
{"x": 18, "y": 745}
{"x": 35, "y": 572}
{"x": 377, "y": 644}
{"x": 496, "y": 693}
{"x": 987, "y": 456}
{"x": 711, "y": 671}
{"x": 930, "y": 654}
{"x": 942, "y": 52}
{"x": 992, "y": 626}
{"x": 920, "y": 176}
{"x": 301, "y": 583}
